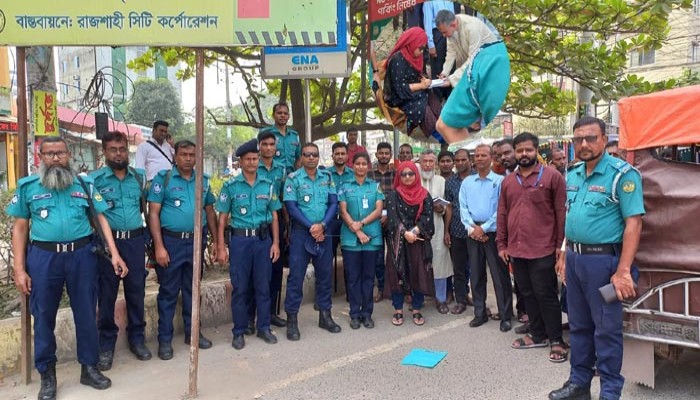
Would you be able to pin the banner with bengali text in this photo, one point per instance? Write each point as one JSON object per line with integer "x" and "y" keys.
{"x": 382, "y": 9}
{"x": 45, "y": 114}
{"x": 167, "y": 22}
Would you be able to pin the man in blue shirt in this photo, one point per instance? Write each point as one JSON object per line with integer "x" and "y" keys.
{"x": 437, "y": 44}
{"x": 478, "y": 207}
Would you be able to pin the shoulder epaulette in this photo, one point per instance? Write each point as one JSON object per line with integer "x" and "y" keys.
{"x": 27, "y": 179}
{"x": 573, "y": 166}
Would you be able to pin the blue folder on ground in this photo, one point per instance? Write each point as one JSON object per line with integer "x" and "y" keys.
{"x": 424, "y": 358}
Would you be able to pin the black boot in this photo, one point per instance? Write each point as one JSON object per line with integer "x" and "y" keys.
{"x": 48, "y": 384}
{"x": 276, "y": 320}
{"x": 293, "y": 327}
{"x": 203, "y": 343}
{"x": 105, "y": 361}
{"x": 91, "y": 376}
{"x": 325, "y": 321}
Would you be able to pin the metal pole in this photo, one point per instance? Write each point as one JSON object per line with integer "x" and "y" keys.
{"x": 197, "y": 261}
{"x": 229, "y": 158}
{"x": 26, "y": 318}
{"x": 363, "y": 75}
{"x": 307, "y": 111}
{"x": 396, "y": 143}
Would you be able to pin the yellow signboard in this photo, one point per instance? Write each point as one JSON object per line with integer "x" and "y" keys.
{"x": 167, "y": 22}
{"x": 45, "y": 115}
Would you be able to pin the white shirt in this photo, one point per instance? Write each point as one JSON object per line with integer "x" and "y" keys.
{"x": 151, "y": 160}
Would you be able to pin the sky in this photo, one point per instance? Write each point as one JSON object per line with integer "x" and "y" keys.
{"x": 214, "y": 89}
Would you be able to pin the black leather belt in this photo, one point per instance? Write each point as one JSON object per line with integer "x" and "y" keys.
{"x": 122, "y": 235}
{"x": 580, "y": 248}
{"x": 260, "y": 231}
{"x": 58, "y": 247}
{"x": 178, "y": 235}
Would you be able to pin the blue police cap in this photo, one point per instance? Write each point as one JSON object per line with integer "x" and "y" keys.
{"x": 250, "y": 146}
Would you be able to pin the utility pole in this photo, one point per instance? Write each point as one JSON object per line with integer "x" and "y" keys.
{"x": 229, "y": 159}
{"x": 40, "y": 76}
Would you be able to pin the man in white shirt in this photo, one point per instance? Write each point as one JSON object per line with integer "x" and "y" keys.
{"x": 155, "y": 154}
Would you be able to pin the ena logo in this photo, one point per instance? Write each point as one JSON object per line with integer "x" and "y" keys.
{"x": 303, "y": 63}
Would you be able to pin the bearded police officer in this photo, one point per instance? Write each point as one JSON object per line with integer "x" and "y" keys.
{"x": 251, "y": 201}
{"x": 603, "y": 226}
{"x": 61, "y": 251}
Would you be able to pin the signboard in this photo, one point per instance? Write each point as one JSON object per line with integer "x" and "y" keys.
{"x": 5, "y": 101}
{"x": 382, "y": 9}
{"x": 310, "y": 62}
{"x": 8, "y": 126}
{"x": 167, "y": 22}
{"x": 45, "y": 115}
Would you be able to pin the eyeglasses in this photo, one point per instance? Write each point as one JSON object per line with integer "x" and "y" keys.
{"x": 115, "y": 150}
{"x": 407, "y": 174}
{"x": 309, "y": 154}
{"x": 52, "y": 154}
{"x": 590, "y": 139}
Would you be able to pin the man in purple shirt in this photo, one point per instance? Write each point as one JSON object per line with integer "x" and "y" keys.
{"x": 529, "y": 234}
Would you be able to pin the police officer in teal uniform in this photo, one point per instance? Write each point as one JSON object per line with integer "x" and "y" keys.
{"x": 171, "y": 201}
{"x": 603, "y": 226}
{"x": 252, "y": 202}
{"x": 361, "y": 205}
{"x": 288, "y": 145}
{"x": 60, "y": 252}
{"x": 122, "y": 188}
{"x": 341, "y": 174}
{"x": 312, "y": 203}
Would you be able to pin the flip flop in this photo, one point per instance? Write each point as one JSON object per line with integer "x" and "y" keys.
{"x": 521, "y": 344}
{"x": 418, "y": 319}
{"x": 558, "y": 356}
{"x": 397, "y": 319}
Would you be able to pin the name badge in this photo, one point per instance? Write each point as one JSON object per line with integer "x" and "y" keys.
{"x": 597, "y": 189}
{"x": 365, "y": 203}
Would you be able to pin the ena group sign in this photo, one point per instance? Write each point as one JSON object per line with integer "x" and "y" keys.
{"x": 168, "y": 22}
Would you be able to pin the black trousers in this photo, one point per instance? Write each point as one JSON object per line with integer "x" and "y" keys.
{"x": 460, "y": 262}
{"x": 436, "y": 63}
{"x": 538, "y": 284}
{"x": 479, "y": 255}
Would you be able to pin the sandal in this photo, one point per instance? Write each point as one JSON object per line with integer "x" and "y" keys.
{"x": 523, "y": 318}
{"x": 495, "y": 317}
{"x": 418, "y": 318}
{"x": 397, "y": 319}
{"x": 558, "y": 355}
{"x": 521, "y": 343}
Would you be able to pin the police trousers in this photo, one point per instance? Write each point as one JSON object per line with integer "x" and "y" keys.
{"x": 250, "y": 265}
{"x": 299, "y": 258}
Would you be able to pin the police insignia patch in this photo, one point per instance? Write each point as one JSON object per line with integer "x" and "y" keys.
{"x": 157, "y": 188}
{"x": 44, "y": 213}
{"x": 289, "y": 189}
{"x": 15, "y": 199}
{"x": 98, "y": 197}
{"x": 223, "y": 197}
{"x": 628, "y": 186}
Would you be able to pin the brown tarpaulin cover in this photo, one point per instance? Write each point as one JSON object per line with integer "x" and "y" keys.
{"x": 659, "y": 119}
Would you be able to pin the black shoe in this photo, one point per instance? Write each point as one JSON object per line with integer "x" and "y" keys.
{"x": 325, "y": 321}
{"x": 293, "y": 327}
{"x": 355, "y": 323}
{"x": 140, "y": 351}
{"x": 505, "y": 325}
{"x": 276, "y": 320}
{"x": 48, "y": 384}
{"x": 238, "y": 342}
{"x": 367, "y": 322}
{"x": 165, "y": 350}
{"x": 91, "y": 376}
{"x": 250, "y": 330}
{"x": 522, "y": 329}
{"x": 204, "y": 343}
{"x": 267, "y": 336}
{"x": 571, "y": 391}
{"x": 478, "y": 321}
{"x": 105, "y": 361}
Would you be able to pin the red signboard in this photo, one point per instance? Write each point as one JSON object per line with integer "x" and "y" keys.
{"x": 507, "y": 129}
{"x": 382, "y": 9}
{"x": 8, "y": 126}
{"x": 253, "y": 8}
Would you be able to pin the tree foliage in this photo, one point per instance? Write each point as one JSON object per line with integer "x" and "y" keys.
{"x": 155, "y": 100}
{"x": 544, "y": 39}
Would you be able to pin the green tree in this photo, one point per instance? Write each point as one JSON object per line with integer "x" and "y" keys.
{"x": 155, "y": 100}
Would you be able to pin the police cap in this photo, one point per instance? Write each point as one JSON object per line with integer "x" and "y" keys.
{"x": 250, "y": 146}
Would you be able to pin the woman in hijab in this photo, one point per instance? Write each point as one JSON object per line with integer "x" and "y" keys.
{"x": 409, "y": 256}
{"x": 409, "y": 88}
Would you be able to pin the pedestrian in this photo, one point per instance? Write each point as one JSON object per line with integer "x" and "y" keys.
{"x": 437, "y": 44}
{"x": 288, "y": 145}
{"x": 341, "y": 174}
{"x": 384, "y": 174}
{"x": 409, "y": 269}
{"x": 405, "y": 152}
{"x": 530, "y": 230}
{"x": 446, "y": 163}
{"x": 312, "y": 203}
{"x": 56, "y": 250}
{"x": 171, "y": 212}
{"x": 252, "y": 203}
{"x": 123, "y": 189}
{"x": 478, "y": 203}
{"x": 361, "y": 205}
{"x": 352, "y": 146}
{"x": 156, "y": 153}
{"x": 603, "y": 226}
{"x": 559, "y": 160}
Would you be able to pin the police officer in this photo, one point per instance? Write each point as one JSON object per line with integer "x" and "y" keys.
{"x": 122, "y": 188}
{"x": 60, "y": 252}
{"x": 312, "y": 203}
{"x": 603, "y": 226}
{"x": 288, "y": 146}
{"x": 252, "y": 202}
{"x": 171, "y": 221}
{"x": 341, "y": 173}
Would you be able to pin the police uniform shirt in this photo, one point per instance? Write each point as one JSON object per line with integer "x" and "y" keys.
{"x": 57, "y": 216}
{"x": 360, "y": 201}
{"x": 596, "y": 210}
{"x": 310, "y": 195}
{"x": 340, "y": 179}
{"x": 275, "y": 174}
{"x": 123, "y": 197}
{"x": 249, "y": 206}
{"x": 288, "y": 147}
{"x": 177, "y": 200}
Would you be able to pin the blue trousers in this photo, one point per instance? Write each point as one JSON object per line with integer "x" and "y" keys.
{"x": 417, "y": 300}
{"x": 596, "y": 327}
{"x": 360, "y": 266}
{"x": 298, "y": 260}
{"x": 249, "y": 261}
{"x": 275, "y": 282}
{"x": 49, "y": 272}
{"x": 176, "y": 278}
{"x": 131, "y": 251}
